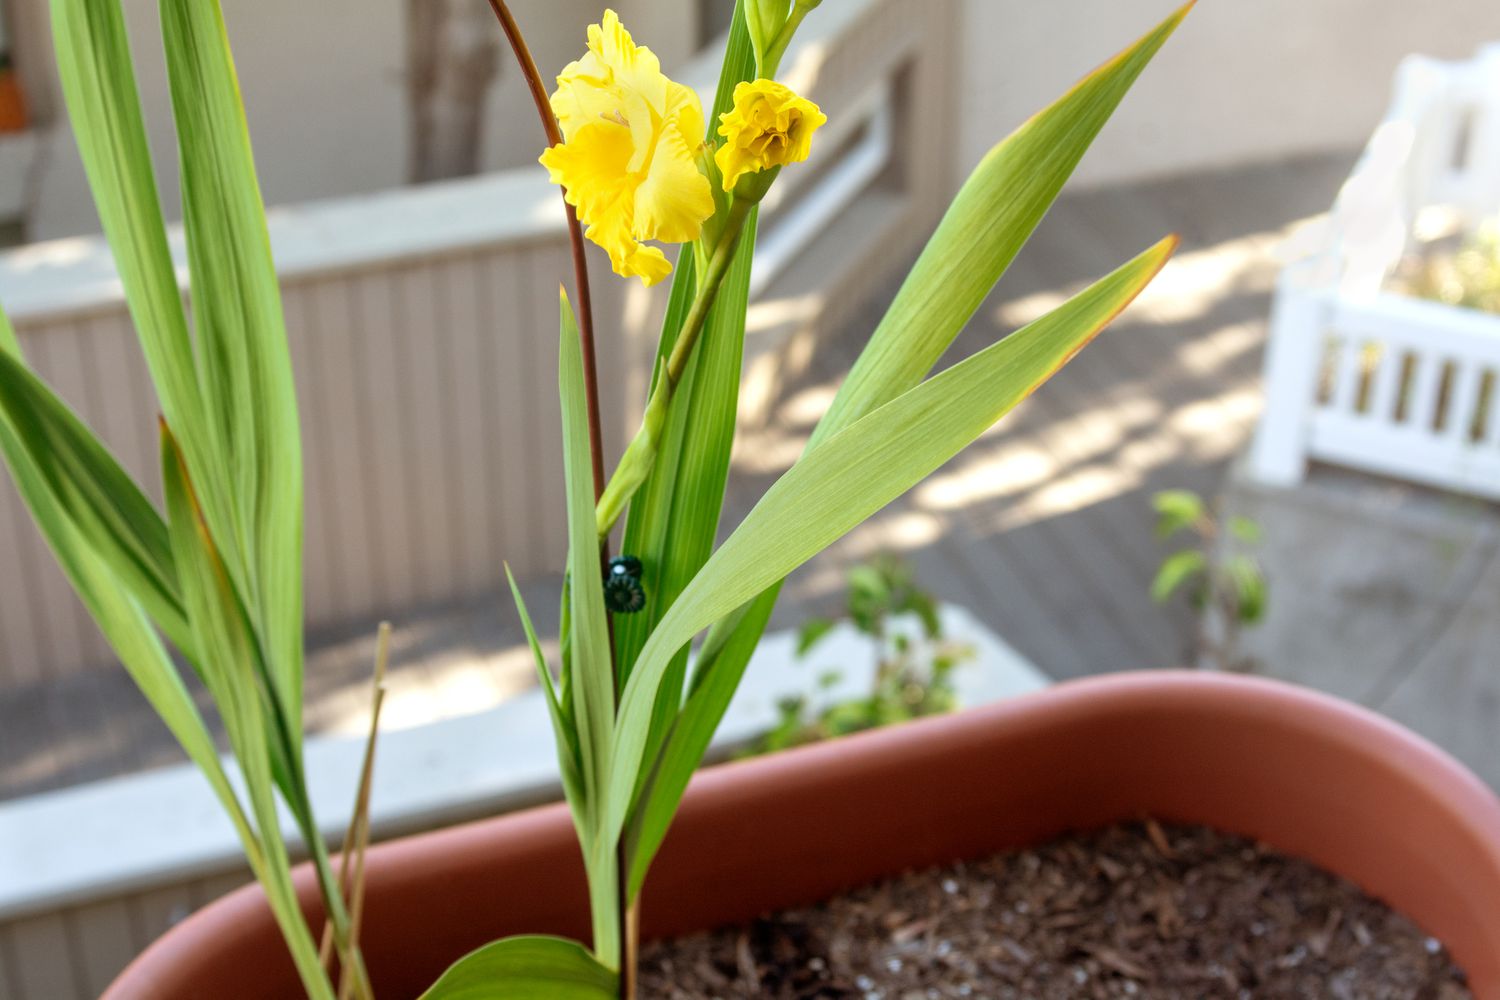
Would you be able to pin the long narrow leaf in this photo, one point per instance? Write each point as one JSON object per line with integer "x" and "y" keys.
{"x": 235, "y": 679}
{"x": 527, "y": 968}
{"x": 853, "y": 474}
{"x": 563, "y": 728}
{"x": 249, "y": 394}
{"x": 992, "y": 217}
{"x": 674, "y": 517}
{"x": 109, "y": 601}
{"x": 98, "y": 83}
{"x": 100, "y": 498}
{"x": 984, "y": 228}
{"x": 591, "y": 664}
{"x": 716, "y": 676}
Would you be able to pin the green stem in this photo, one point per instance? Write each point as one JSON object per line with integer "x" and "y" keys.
{"x": 708, "y": 290}
{"x": 640, "y": 455}
{"x": 772, "y": 61}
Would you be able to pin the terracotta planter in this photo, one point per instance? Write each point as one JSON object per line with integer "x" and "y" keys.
{"x": 1308, "y": 774}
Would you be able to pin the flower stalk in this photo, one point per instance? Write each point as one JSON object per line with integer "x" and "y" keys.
{"x": 585, "y": 310}
{"x": 635, "y": 465}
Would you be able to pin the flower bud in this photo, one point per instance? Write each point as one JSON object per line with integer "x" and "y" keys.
{"x": 768, "y": 127}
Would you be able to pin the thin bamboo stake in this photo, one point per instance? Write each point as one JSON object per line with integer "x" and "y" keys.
{"x": 357, "y": 834}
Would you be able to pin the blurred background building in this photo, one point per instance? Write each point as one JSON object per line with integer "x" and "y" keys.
{"x": 420, "y": 247}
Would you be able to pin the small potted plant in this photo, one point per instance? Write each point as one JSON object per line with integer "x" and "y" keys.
{"x": 562, "y": 894}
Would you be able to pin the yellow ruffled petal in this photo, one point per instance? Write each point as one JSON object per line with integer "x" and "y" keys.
{"x": 768, "y": 126}
{"x": 628, "y": 257}
{"x": 685, "y": 111}
{"x": 627, "y": 161}
{"x": 674, "y": 198}
{"x": 634, "y": 67}
{"x": 647, "y": 263}
{"x": 591, "y": 167}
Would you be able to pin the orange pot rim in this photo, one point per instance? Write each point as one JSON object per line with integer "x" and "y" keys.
{"x": 1308, "y": 773}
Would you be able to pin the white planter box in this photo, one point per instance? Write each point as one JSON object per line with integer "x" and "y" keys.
{"x": 1375, "y": 381}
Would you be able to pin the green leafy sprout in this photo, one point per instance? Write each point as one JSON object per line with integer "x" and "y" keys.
{"x": 913, "y": 667}
{"x": 1219, "y": 573}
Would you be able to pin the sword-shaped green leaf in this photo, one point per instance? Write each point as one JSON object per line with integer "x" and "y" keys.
{"x": 674, "y": 517}
{"x": 850, "y": 476}
{"x": 100, "y": 499}
{"x": 248, "y": 392}
{"x": 98, "y": 83}
{"x": 236, "y": 680}
{"x": 591, "y": 666}
{"x": 993, "y": 215}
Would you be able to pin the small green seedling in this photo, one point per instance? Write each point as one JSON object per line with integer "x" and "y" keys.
{"x": 1220, "y": 575}
{"x": 913, "y": 668}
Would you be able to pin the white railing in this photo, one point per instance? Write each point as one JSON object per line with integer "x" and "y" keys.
{"x": 1376, "y": 381}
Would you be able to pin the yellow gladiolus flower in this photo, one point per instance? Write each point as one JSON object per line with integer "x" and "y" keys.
{"x": 769, "y": 126}
{"x": 628, "y": 160}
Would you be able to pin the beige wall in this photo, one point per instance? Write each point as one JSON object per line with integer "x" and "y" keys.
{"x": 324, "y": 90}
{"x": 1242, "y": 80}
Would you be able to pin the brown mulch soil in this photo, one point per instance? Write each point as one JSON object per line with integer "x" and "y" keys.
{"x": 1143, "y": 910}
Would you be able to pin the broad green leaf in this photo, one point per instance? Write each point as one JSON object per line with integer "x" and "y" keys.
{"x": 997, "y": 210}
{"x": 533, "y": 967}
{"x": 1176, "y": 570}
{"x": 591, "y": 664}
{"x": 853, "y": 474}
{"x": 674, "y": 517}
{"x": 102, "y": 501}
{"x": 236, "y": 680}
{"x": 1176, "y": 510}
{"x": 245, "y": 365}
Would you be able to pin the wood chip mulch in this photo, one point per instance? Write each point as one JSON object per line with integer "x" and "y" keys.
{"x": 1142, "y": 910}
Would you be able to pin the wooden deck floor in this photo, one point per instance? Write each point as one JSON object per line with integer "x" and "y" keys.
{"x": 1043, "y": 528}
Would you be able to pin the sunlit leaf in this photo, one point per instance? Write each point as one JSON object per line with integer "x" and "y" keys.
{"x": 853, "y": 474}
{"x": 997, "y": 210}
{"x": 1175, "y": 511}
{"x": 98, "y": 83}
{"x": 248, "y": 392}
